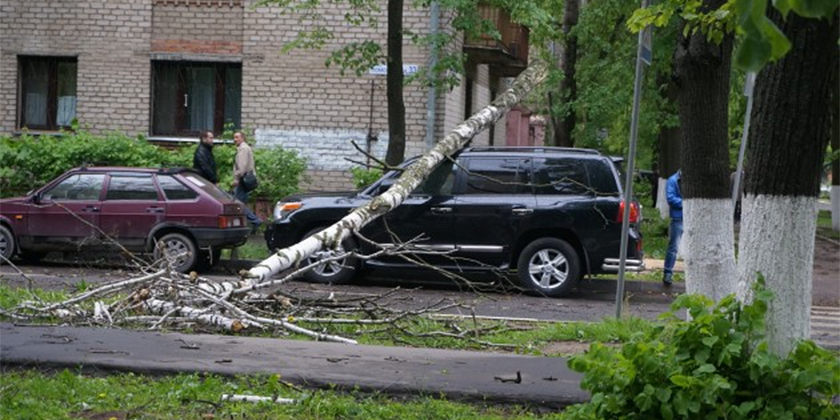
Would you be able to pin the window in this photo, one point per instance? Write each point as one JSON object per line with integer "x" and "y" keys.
{"x": 131, "y": 187}
{"x": 47, "y": 92}
{"x": 439, "y": 182}
{"x": 498, "y": 176}
{"x": 189, "y": 97}
{"x": 174, "y": 190}
{"x": 560, "y": 176}
{"x": 77, "y": 187}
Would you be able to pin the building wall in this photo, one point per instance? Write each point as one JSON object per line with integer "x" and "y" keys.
{"x": 110, "y": 39}
{"x": 289, "y": 99}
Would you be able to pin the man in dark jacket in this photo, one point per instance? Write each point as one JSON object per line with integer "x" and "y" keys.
{"x": 203, "y": 160}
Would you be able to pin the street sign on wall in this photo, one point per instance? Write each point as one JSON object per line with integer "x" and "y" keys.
{"x": 382, "y": 69}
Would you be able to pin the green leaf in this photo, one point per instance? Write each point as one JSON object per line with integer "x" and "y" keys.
{"x": 814, "y": 8}
{"x": 782, "y": 6}
{"x": 706, "y": 368}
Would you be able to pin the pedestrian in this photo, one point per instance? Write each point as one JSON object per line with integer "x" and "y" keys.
{"x": 203, "y": 160}
{"x": 242, "y": 164}
{"x": 673, "y": 192}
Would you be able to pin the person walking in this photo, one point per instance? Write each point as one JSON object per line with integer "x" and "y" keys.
{"x": 203, "y": 160}
{"x": 243, "y": 163}
{"x": 673, "y": 193}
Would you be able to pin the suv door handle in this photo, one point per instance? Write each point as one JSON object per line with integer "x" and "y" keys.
{"x": 441, "y": 210}
{"x": 154, "y": 210}
{"x": 522, "y": 212}
{"x": 91, "y": 209}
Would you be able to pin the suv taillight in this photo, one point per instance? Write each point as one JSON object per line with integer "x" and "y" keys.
{"x": 634, "y": 212}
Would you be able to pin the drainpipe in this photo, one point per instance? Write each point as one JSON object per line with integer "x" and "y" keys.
{"x": 431, "y": 102}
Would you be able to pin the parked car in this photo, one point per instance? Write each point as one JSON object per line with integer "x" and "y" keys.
{"x": 135, "y": 208}
{"x": 551, "y": 215}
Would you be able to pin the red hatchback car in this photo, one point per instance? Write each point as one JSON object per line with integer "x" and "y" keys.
{"x": 135, "y": 208}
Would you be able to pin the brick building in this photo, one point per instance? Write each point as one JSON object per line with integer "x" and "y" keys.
{"x": 169, "y": 68}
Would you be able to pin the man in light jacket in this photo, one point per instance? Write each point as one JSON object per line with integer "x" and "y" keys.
{"x": 242, "y": 164}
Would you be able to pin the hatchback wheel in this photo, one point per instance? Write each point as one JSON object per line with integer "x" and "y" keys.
{"x": 337, "y": 271}
{"x": 549, "y": 266}
{"x": 179, "y": 250}
{"x": 7, "y": 244}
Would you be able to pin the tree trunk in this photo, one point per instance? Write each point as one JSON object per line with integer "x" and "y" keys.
{"x": 702, "y": 70}
{"x": 408, "y": 181}
{"x": 396, "y": 106}
{"x": 565, "y": 125}
{"x": 670, "y": 145}
{"x": 784, "y": 158}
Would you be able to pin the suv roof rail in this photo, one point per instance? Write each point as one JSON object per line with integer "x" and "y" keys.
{"x": 533, "y": 149}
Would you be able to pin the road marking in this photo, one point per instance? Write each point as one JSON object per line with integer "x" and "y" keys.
{"x": 825, "y": 326}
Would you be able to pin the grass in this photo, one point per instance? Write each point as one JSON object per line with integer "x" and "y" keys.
{"x": 824, "y": 225}
{"x": 67, "y": 394}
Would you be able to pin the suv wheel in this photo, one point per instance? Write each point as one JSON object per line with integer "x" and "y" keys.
{"x": 7, "y": 244}
{"x": 340, "y": 271}
{"x": 549, "y": 266}
{"x": 179, "y": 251}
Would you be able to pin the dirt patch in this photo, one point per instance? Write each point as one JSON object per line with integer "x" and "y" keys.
{"x": 826, "y": 276}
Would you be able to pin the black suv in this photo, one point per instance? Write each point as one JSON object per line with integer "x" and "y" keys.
{"x": 551, "y": 214}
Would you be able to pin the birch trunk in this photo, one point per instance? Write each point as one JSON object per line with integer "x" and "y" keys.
{"x": 411, "y": 177}
{"x": 784, "y": 158}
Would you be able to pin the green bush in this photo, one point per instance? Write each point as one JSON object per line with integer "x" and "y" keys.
{"x": 29, "y": 162}
{"x": 714, "y": 366}
{"x": 363, "y": 177}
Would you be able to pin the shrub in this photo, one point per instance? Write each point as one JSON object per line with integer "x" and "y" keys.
{"x": 363, "y": 177}
{"x": 714, "y": 366}
{"x": 29, "y": 162}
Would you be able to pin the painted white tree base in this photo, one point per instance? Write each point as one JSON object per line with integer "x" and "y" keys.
{"x": 709, "y": 243}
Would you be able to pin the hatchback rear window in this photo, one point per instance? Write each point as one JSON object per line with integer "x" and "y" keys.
{"x": 174, "y": 189}
{"x": 206, "y": 186}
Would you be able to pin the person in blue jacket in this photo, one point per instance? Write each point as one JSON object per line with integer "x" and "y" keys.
{"x": 673, "y": 192}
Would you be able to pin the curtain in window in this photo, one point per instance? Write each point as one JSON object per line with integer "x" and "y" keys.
{"x": 165, "y": 99}
{"x": 201, "y": 88}
{"x": 66, "y": 110}
{"x": 35, "y": 81}
{"x": 233, "y": 96}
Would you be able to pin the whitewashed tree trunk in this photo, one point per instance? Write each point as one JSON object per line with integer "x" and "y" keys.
{"x": 784, "y": 158}
{"x": 703, "y": 68}
{"x": 709, "y": 247}
{"x": 411, "y": 177}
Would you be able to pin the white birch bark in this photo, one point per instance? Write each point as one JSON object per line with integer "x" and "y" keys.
{"x": 406, "y": 183}
{"x": 709, "y": 244}
{"x": 777, "y": 242}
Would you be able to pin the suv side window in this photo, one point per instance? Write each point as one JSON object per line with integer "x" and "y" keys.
{"x": 77, "y": 187}
{"x": 174, "y": 189}
{"x": 602, "y": 177}
{"x": 564, "y": 176}
{"x": 497, "y": 175}
{"x": 131, "y": 187}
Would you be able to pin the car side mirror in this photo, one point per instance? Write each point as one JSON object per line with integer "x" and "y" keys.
{"x": 37, "y": 198}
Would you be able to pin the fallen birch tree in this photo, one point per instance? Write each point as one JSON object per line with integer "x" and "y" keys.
{"x": 458, "y": 138}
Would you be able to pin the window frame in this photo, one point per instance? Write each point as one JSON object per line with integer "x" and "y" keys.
{"x": 181, "y": 114}
{"x": 53, "y": 64}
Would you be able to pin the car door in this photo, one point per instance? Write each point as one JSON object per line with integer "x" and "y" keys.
{"x": 66, "y": 214}
{"x": 492, "y": 203}
{"x": 424, "y": 220}
{"x": 131, "y": 209}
